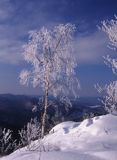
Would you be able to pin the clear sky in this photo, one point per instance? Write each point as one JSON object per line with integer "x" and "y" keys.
{"x": 17, "y": 17}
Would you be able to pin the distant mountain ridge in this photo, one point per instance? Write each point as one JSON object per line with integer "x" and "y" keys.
{"x": 16, "y": 110}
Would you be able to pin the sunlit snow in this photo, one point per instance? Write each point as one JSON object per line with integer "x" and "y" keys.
{"x": 92, "y": 139}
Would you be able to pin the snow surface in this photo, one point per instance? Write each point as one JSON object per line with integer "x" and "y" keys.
{"x": 92, "y": 139}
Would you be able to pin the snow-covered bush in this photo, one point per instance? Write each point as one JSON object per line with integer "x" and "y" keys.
{"x": 29, "y": 133}
{"x": 88, "y": 115}
{"x": 7, "y": 144}
{"x": 109, "y": 96}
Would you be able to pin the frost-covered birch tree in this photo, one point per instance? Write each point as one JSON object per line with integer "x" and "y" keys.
{"x": 110, "y": 91}
{"x": 51, "y": 55}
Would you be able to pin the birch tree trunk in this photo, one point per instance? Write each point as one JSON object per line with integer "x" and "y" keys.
{"x": 45, "y": 105}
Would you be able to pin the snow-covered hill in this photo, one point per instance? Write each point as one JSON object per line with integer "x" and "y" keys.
{"x": 92, "y": 139}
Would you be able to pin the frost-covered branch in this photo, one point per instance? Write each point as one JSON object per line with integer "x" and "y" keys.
{"x": 111, "y": 63}
{"x": 110, "y": 28}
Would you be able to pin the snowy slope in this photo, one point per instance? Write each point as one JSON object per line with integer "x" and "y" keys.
{"x": 92, "y": 139}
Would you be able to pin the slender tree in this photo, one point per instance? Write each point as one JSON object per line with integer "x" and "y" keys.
{"x": 51, "y": 55}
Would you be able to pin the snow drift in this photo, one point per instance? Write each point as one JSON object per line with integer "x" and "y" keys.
{"x": 92, "y": 139}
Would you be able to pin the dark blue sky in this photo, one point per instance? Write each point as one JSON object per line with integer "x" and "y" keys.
{"x": 17, "y": 17}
